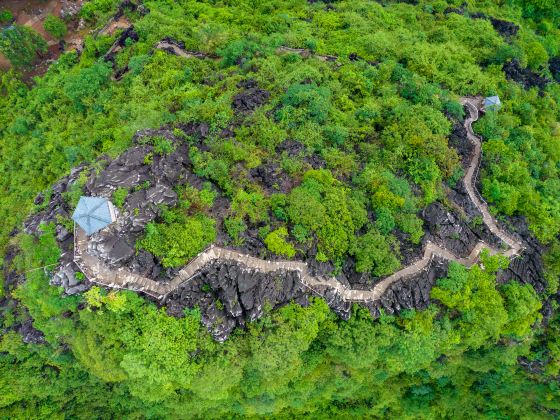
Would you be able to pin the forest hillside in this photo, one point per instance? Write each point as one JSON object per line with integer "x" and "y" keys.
{"x": 321, "y": 209}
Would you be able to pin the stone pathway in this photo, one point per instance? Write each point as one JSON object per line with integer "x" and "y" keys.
{"x": 174, "y": 48}
{"x": 99, "y": 273}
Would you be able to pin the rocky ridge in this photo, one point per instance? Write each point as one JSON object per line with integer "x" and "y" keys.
{"x": 230, "y": 296}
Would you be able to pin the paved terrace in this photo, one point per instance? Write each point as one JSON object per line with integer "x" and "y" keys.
{"x": 122, "y": 278}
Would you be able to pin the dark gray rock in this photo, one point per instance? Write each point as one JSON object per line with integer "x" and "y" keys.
{"x": 56, "y": 208}
{"x": 29, "y": 334}
{"x": 523, "y": 75}
{"x": 504, "y": 27}
{"x": 250, "y": 98}
{"x": 554, "y": 66}
{"x": 447, "y": 229}
{"x": 65, "y": 277}
{"x": 527, "y": 268}
{"x": 271, "y": 176}
{"x": 458, "y": 140}
{"x": 410, "y": 293}
{"x": 235, "y": 295}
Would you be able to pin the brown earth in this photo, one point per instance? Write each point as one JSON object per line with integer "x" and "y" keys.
{"x": 32, "y": 13}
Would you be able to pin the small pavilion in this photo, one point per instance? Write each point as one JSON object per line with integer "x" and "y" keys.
{"x": 94, "y": 213}
{"x": 492, "y": 103}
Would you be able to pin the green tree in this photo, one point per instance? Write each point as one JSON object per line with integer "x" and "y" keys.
{"x": 175, "y": 243}
{"x": 55, "y": 26}
{"x": 21, "y": 45}
{"x": 376, "y": 253}
{"x": 276, "y": 242}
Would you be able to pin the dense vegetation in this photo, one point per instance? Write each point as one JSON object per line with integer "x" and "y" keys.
{"x": 379, "y": 119}
{"x": 20, "y": 45}
{"x": 455, "y": 359}
{"x": 55, "y": 26}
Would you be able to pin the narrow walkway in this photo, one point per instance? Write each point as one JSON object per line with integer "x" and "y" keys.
{"x": 99, "y": 273}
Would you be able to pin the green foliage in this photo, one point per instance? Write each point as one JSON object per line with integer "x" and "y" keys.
{"x": 214, "y": 169}
{"x": 522, "y": 305}
{"x": 162, "y": 146}
{"x": 376, "y": 253}
{"x": 20, "y": 45}
{"x": 119, "y": 197}
{"x": 304, "y": 102}
{"x": 175, "y": 243}
{"x": 473, "y": 295}
{"x": 238, "y": 52}
{"x": 392, "y": 199}
{"x": 252, "y": 206}
{"x": 194, "y": 200}
{"x": 6, "y": 16}
{"x": 378, "y": 124}
{"x": 276, "y": 242}
{"x": 37, "y": 259}
{"x": 537, "y": 57}
{"x": 75, "y": 191}
{"x": 113, "y": 301}
{"x": 323, "y": 206}
{"x": 98, "y": 9}
{"x": 83, "y": 87}
{"x": 55, "y": 26}
{"x": 234, "y": 227}
{"x": 518, "y": 157}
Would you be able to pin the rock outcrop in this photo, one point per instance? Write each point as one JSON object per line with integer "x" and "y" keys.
{"x": 232, "y": 288}
{"x": 70, "y": 8}
{"x": 554, "y": 66}
{"x": 524, "y": 76}
{"x": 250, "y": 98}
{"x": 410, "y": 293}
{"x": 229, "y": 295}
{"x": 504, "y": 27}
{"x": 528, "y": 267}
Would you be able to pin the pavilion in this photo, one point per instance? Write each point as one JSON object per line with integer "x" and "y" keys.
{"x": 492, "y": 103}
{"x": 94, "y": 213}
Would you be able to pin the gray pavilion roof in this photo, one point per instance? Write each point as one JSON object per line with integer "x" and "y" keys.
{"x": 492, "y": 102}
{"x": 93, "y": 214}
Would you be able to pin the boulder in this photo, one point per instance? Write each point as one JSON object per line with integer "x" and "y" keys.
{"x": 229, "y": 295}
{"x": 524, "y": 76}
{"x": 251, "y": 98}
{"x": 504, "y": 27}
{"x": 70, "y": 8}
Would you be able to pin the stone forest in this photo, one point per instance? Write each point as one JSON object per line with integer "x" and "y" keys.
{"x": 279, "y": 209}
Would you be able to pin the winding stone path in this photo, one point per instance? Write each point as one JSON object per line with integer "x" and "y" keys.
{"x": 99, "y": 273}
{"x": 176, "y": 49}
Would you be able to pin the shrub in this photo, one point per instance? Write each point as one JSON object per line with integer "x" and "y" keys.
{"x": 6, "y": 16}
{"x": 385, "y": 221}
{"x": 97, "y": 9}
{"x": 83, "y": 88}
{"x": 238, "y": 52}
{"x": 253, "y": 205}
{"x": 174, "y": 244}
{"x": 119, "y": 197}
{"x": 276, "y": 242}
{"x": 306, "y": 101}
{"x": 376, "y": 254}
{"x": 20, "y": 45}
{"x": 162, "y": 146}
{"x": 55, "y": 26}
{"x": 234, "y": 227}
{"x": 323, "y": 206}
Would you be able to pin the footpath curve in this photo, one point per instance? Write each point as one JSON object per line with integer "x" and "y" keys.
{"x": 97, "y": 272}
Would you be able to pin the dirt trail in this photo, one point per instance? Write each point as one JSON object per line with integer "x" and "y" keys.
{"x": 98, "y": 273}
